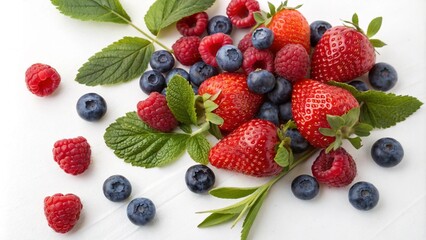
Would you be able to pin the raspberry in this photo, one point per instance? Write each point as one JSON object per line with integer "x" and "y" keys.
{"x": 335, "y": 169}
{"x": 209, "y": 46}
{"x": 292, "y": 62}
{"x": 186, "y": 50}
{"x": 72, "y": 155}
{"x": 155, "y": 112}
{"x": 241, "y": 12}
{"x": 255, "y": 59}
{"x": 41, "y": 79}
{"x": 193, "y": 25}
{"x": 62, "y": 211}
{"x": 245, "y": 42}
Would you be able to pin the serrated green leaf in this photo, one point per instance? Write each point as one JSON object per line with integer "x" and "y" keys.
{"x": 121, "y": 61}
{"x": 166, "y": 12}
{"x": 181, "y": 100}
{"x": 355, "y": 19}
{"x": 251, "y": 215}
{"x": 95, "y": 10}
{"x": 232, "y": 192}
{"x": 374, "y": 26}
{"x": 186, "y": 128}
{"x": 138, "y": 144}
{"x": 198, "y": 148}
{"x": 377, "y": 43}
{"x": 283, "y": 157}
{"x": 216, "y": 219}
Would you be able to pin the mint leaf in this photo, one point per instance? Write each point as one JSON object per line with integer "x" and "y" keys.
{"x": 232, "y": 192}
{"x": 215, "y": 219}
{"x": 374, "y": 26}
{"x": 186, "y": 128}
{"x": 119, "y": 62}
{"x": 166, "y": 12}
{"x": 95, "y": 10}
{"x": 181, "y": 100}
{"x": 252, "y": 213}
{"x": 138, "y": 144}
{"x": 198, "y": 148}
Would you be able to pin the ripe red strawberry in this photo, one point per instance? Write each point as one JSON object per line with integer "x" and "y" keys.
{"x": 72, "y": 155}
{"x": 62, "y": 211}
{"x": 236, "y": 103}
{"x": 249, "y": 149}
{"x": 344, "y": 53}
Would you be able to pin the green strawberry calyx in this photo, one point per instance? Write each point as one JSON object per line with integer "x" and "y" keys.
{"x": 284, "y": 155}
{"x": 373, "y": 28}
{"x": 204, "y": 106}
{"x": 264, "y": 18}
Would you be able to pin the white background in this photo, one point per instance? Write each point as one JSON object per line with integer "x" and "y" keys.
{"x": 34, "y": 31}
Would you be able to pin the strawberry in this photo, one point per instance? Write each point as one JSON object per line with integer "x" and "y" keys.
{"x": 236, "y": 104}
{"x": 344, "y": 53}
{"x": 287, "y": 24}
{"x": 326, "y": 114}
{"x": 249, "y": 149}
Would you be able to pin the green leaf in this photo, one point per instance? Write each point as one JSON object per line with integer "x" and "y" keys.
{"x": 355, "y": 19}
{"x": 362, "y": 129}
{"x": 327, "y": 132}
{"x": 215, "y": 219}
{"x": 186, "y": 128}
{"x": 374, "y": 26}
{"x": 377, "y": 43}
{"x": 215, "y": 131}
{"x": 258, "y": 17}
{"x": 121, "y": 61}
{"x": 271, "y": 8}
{"x": 210, "y": 106}
{"x": 163, "y": 13}
{"x": 336, "y": 122}
{"x": 95, "y": 10}
{"x": 181, "y": 100}
{"x": 251, "y": 215}
{"x": 138, "y": 144}
{"x": 198, "y": 148}
{"x": 283, "y": 157}
{"x": 235, "y": 208}
{"x": 356, "y": 142}
{"x": 232, "y": 192}
{"x": 214, "y": 118}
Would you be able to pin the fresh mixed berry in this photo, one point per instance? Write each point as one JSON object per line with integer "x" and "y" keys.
{"x": 193, "y": 25}
{"x": 241, "y": 12}
{"x": 382, "y": 76}
{"x": 285, "y": 113}
{"x": 199, "y": 178}
{"x": 72, "y": 154}
{"x": 261, "y": 81}
{"x": 298, "y": 143}
{"x": 162, "y": 61}
{"x": 318, "y": 29}
{"x": 269, "y": 111}
{"x": 255, "y": 59}
{"x": 387, "y": 152}
{"x": 141, "y": 211}
{"x": 186, "y": 51}
{"x": 201, "y": 71}
{"x": 62, "y": 211}
{"x": 152, "y": 81}
{"x": 179, "y": 71}
{"x": 281, "y": 93}
{"x": 41, "y": 79}
{"x": 262, "y": 38}
{"x": 359, "y": 85}
{"x": 91, "y": 107}
{"x": 229, "y": 58}
{"x": 363, "y": 196}
{"x": 117, "y": 188}
{"x": 292, "y": 62}
{"x": 155, "y": 112}
{"x": 219, "y": 24}
{"x": 305, "y": 187}
{"x": 209, "y": 46}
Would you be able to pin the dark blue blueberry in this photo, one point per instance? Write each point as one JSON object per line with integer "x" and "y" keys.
{"x": 281, "y": 92}
{"x": 363, "y": 195}
{"x": 382, "y": 76}
{"x": 318, "y": 29}
{"x": 285, "y": 113}
{"x": 359, "y": 85}
{"x": 298, "y": 144}
{"x": 162, "y": 61}
{"x": 387, "y": 152}
{"x": 200, "y": 71}
{"x": 91, "y": 107}
{"x": 261, "y": 81}
{"x": 262, "y": 38}
{"x": 305, "y": 187}
{"x": 269, "y": 111}
{"x": 219, "y": 24}
{"x": 117, "y": 188}
{"x": 199, "y": 178}
{"x": 141, "y": 211}
{"x": 229, "y": 58}
{"x": 175, "y": 71}
{"x": 152, "y": 81}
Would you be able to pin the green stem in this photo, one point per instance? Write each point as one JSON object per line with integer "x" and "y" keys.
{"x": 204, "y": 127}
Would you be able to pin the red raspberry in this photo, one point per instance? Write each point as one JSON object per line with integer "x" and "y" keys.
{"x": 186, "y": 50}
{"x": 41, "y": 79}
{"x": 292, "y": 62}
{"x": 193, "y": 25}
{"x": 245, "y": 42}
{"x": 62, "y": 211}
{"x": 210, "y": 45}
{"x": 155, "y": 112}
{"x": 255, "y": 59}
{"x": 335, "y": 169}
{"x": 72, "y": 155}
{"x": 240, "y": 12}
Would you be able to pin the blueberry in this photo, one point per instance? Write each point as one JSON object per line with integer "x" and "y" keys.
{"x": 152, "y": 81}
{"x": 261, "y": 81}
{"x": 387, "y": 152}
{"x": 140, "y": 211}
{"x": 382, "y": 76}
{"x": 285, "y": 113}
{"x": 305, "y": 187}
{"x": 229, "y": 58}
{"x": 199, "y": 178}
{"x": 269, "y": 111}
{"x": 262, "y": 38}
{"x": 318, "y": 29}
{"x": 91, "y": 107}
{"x": 298, "y": 144}
{"x": 281, "y": 92}
{"x": 363, "y": 195}
{"x": 117, "y": 188}
{"x": 359, "y": 85}
{"x": 219, "y": 24}
{"x": 175, "y": 71}
{"x": 162, "y": 61}
{"x": 200, "y": 71}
